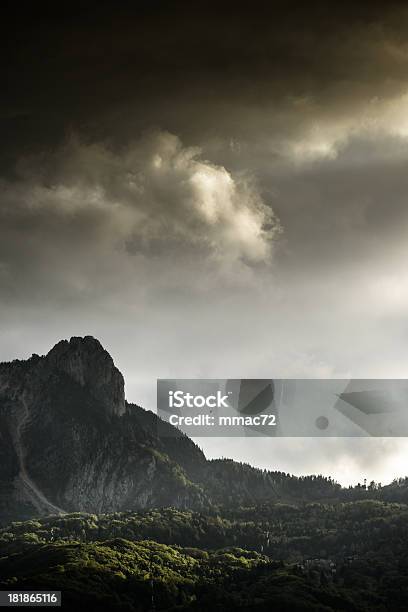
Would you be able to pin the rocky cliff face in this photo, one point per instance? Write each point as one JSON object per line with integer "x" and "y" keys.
{"x": 69, "y": 441}
{"x": 87, "y": 363}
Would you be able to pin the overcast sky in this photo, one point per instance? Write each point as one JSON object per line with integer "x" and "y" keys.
{"x": 212, "y": 192}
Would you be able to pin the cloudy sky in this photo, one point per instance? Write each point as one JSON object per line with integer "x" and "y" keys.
{"x": 212, "y": 192}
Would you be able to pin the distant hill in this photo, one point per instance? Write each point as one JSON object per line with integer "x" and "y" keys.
{"x": 69, "y": 441}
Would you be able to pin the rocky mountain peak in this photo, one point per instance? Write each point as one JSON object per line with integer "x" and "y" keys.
{"x": 86, "y": 361}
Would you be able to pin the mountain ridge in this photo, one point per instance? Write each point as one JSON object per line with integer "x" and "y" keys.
{"x": 69, "y": 441}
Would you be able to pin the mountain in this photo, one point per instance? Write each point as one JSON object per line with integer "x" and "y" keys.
{"x": 69, "y": 441}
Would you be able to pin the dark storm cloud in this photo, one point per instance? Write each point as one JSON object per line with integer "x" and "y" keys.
{"x": 77, "y": 222}
{"x": 217, "y": 69}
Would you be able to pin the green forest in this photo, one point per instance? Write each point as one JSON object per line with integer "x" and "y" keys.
{"x": 342, "y": 555}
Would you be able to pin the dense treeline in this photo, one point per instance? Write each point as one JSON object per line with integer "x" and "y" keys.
{"x": 122, "y": 575}
{"x": 282, "y": 531}
{"x": 320, "y": 556}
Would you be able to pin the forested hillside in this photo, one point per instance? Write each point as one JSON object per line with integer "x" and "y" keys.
{"x": 311, "y": 556}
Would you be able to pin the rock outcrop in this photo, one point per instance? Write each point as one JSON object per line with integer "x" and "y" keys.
{"x": 69, "y": 441}
{"x": 86, "y": 362}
